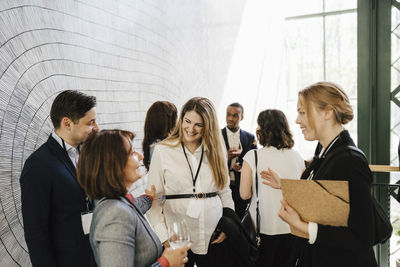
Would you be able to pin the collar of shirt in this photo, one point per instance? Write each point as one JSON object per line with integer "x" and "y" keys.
{"x": 72, "y": 152}
{"x": 233, "y": 138}
{"x": 175, "y": 144}
{"x": 196, "y": 154}
{"x": 193, "y": 158}
{"x": 230, "y": 133}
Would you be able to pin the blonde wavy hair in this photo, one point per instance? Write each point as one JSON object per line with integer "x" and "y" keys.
{"x": 327, "y": 95}
{"x": 211, "y": 137}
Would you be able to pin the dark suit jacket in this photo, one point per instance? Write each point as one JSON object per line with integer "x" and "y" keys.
{"x": 52, "y": 202}
{"x": 343, "y": 246}
{"x": 247, "y": 142}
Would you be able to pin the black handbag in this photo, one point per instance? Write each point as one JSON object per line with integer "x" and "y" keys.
{"x": 383, "y": 226}
{"x": 253, "y": 230}
{"x": 252, "y": 237}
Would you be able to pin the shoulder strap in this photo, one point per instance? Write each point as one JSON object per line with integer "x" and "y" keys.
{"x": 341, "y": 149}
{"x": 258, "y": 217}
{"x": 256, "y": 161}
{"x": 347, "y": 148}
{"x": 225, "y": 136}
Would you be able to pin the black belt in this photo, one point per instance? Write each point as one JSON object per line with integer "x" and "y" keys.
{"x": 198, "y": 195}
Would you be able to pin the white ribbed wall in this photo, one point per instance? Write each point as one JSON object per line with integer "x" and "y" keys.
{"x": 128, "y": 53}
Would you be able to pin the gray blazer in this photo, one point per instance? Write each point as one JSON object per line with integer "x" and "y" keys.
{"x": 121, "y": 236}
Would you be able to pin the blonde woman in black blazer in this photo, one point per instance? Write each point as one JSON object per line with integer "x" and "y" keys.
{"x": 323, "y": 108}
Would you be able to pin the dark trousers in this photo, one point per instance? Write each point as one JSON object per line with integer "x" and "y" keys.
{"x": 275, "y": 251}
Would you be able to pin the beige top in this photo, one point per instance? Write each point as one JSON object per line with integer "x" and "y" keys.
{"x": 170, "y": 173}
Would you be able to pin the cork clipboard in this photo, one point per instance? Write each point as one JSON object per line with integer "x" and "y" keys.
{"x": 324, "y": 202}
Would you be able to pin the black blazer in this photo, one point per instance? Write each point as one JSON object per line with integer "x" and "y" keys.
{"x": 247, "y": 142}
{"x": 52, "y": 202}
{"x": 343, "y": 246}
{"x": 235, "y": 250}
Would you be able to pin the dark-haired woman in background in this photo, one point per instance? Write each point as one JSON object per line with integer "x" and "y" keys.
{"x": 274, "y": 135}
{"x": 119, "y": 233}
{"x": 160, "y": 121}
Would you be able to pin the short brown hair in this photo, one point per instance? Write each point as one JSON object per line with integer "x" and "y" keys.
{"x": 274, "y": 129}
{"x": 101, "y": 164}
{"x": 327, "y": 95}
{"x": 71, "y": 104}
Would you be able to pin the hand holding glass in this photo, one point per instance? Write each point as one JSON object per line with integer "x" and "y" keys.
{"x": 178, "y": 233}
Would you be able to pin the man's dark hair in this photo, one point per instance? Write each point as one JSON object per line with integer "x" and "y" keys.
{"x": 237, "y": 105}
{"x": 274, "y": 129}
{"x": 71, "y": 104}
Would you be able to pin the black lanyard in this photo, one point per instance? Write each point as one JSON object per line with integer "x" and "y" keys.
{"x": 194, "y": 179}
{"x": 319, "y": 159}
{"x": 329, "y": 146}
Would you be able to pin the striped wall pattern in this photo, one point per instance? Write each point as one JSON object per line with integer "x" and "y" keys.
{"x": 128, "y": 53}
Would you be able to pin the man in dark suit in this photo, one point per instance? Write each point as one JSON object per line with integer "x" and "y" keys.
{"x": 53, "y": 203}
{"x": 238, "y": 142}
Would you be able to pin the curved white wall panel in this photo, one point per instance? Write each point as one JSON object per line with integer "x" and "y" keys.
{"x": 128, "y": 53}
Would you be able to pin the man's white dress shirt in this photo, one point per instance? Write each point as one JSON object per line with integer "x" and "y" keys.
{"x": 72, "y": 152}
{"x": 234, "y": 142}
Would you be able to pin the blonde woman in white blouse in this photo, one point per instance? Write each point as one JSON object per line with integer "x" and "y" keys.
{"x": 189, "y": 172}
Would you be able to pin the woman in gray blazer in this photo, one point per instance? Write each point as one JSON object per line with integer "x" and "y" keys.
{"x": 119, "y": 233}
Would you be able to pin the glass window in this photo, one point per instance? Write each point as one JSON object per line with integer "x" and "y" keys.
{"x": 395, "y": 72}
{"x": 320, "y": 46}
{"x": 296, "y": 7}
{"x": 304, "y": 54}
{"x": 341, "y": 58}
{"x": 395, "y": 136}
{"x": 341, "y": 51}
{"x": 336, "y": 5}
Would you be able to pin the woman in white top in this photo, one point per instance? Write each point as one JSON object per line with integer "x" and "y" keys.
{"x": 274, "y": 135}
{"x": 191, "y": 177}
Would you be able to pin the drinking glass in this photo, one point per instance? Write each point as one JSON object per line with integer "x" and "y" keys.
{"x": 178, "y": 233}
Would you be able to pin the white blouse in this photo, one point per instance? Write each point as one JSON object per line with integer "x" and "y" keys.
{"x": 288, "y": 164}
{"x": 170, "y": 173}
